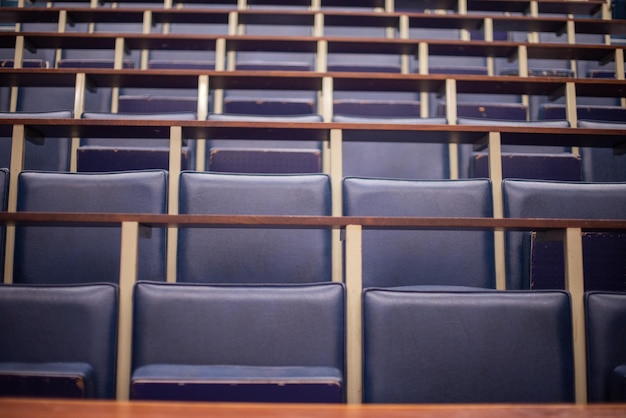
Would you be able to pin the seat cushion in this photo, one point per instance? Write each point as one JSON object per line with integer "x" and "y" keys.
{"x": 237, "y": 383}
{"x": 53, "y": 380}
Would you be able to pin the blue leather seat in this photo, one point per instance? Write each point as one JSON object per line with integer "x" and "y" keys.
{"x": 264, "y": 156}
{"x": 240, "y": 255}
{"x": 4, "y": 191}
{"x": 51, "y": 155}
{"x": 376, "y": 108}
{"x": 553, "y": 199}
{"x": 601, "y": 164}
{"x": 120, "y": 154}
{"x": 409, "y": 258}
{"x": 394, "y": 159}
{"x": 606, "y": 113}
{"x": 57, "y": 255}
{"x": 467, "y": 346}
{"x": 529, "y": 162}
{"x": 58, "y": 341}
{"x": 271, "y": 102}
{"x": 160, "y": 100}
{"x": 6, "y": 62}
{"x": 248, "y": 343}
{"x": 47, "y": 99}
{"x": 606, "y": 346}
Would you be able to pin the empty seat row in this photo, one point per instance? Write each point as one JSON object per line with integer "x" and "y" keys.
{"x": 287, "y": 343}
{"x": 376, "y": 159}
{"x": 275, "y": 255}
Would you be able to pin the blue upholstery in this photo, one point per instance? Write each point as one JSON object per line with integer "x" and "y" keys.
{"x": 401, "y": 258}
{"x": 240, "y": 255}
{"x": 52, "y": 155}
{"x": 552, "y": 199}
{"x": 58, "y": 341}
{"x": 261, "y": 343}
{"x": 541, "y": 72}
{"x": 479, "y": 113}
{"x": 467, "y": 347}
{"x": 606, "y": 346}
{"x": 4, "y": 192}
{"x": 529, "y": 162}
{"x": 157, "y": 104}
{"x": 377, "y": 108}
{"x": 270, "y": 102}
{"x": 600, "y": 164}
{"x": 488, "y": 111}
{"x": 264, "y": 156}
{"x": 38, "y": 99}
{"x": 87, "y": 254}
{"x": 604, "y": 265}
{"x": 589, "y": 112}
{"x": 394, "y": 159}
{"x": 120, "y": 154}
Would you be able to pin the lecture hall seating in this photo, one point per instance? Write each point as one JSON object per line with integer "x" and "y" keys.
{"x": 409, "y": 258}
{"x": 227, "y": 255}
{"x": 235, "y": 64}
{"x": 606, "y": 333}
{"x": 50, "y": 154}
{"x": 57, "y": 255}
{"x": 466, "y": 346}
{"x": 239, "y": 343}
{"x": 58, "y": 341}
{"x": 553, "y": 199}
{"x": 4, "y": 191}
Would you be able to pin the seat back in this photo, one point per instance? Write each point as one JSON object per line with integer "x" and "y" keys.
{"x": 57, "y": 327}
{"x": 4, "y": 192}
{"x": 394, "y": 159}
{"x": 404, "y": 258}
{"x": 553, "y": 199}
{"x": 53, "y": 154}
{"x": 243, "y": 329}
{"x": 119, "y": 154}
{"x": 467, "y": 347}
{"x": 240, "y": 255}
{"x": 87, "y": 254}
{"x": 528, "y": 161}
{"x": 605, "y": 314}
{"x": 602, "y": 164}
{"x": 264, "y": 156}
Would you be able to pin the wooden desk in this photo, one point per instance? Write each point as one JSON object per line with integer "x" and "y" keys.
{"x": 15, "y": 408}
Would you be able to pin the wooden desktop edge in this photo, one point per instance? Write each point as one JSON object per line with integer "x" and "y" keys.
{"x": 40, "y": 408}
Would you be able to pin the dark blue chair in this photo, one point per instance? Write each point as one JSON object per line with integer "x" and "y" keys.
{"x": 5, "y": 62}
{"x": 47, "y": 99}
{"x": 240, "y": 255}
{"x": 553, "y": 199}
{"x": 394, "y": 159}
{"x": 121, "y": 154}
{"x": 602, "y": 164}
{"x": 467, "y": 346}
{"x": 605, "y": 315}
{"x": 409, "y": 258}
{"x": 53, "y": 154}
{"x": 264, "y": 156}
{"x": 77, "y": 254}
{"x": 527, "y": 161}
{"x": 4, "y": 192}
{"x": 248, "y": 343}
{"x": 58, "y": 341}
{"x": 164, "y": 100}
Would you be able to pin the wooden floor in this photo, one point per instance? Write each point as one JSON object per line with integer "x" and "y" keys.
{"x": 21, "y": 408}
